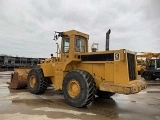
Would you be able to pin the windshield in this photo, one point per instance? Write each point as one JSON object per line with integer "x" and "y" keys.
{"x": 79, "y": 44}
{"x": 66, "y": 45}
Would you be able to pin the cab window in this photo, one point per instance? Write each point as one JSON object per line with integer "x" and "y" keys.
{"x": 79, "y": 44}
{"x": 66, "y": 45}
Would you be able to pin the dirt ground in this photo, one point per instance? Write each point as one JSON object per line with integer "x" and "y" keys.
{"x": 20, "y": 104}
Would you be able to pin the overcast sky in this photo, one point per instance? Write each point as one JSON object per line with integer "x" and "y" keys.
{"x": 27, "y": 26}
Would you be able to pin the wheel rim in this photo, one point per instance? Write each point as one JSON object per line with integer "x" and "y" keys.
{"x": 32, "y": 81}
{"x": 73, "y": 88}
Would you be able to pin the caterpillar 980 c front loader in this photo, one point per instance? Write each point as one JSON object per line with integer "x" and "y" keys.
{"x": 82, "y": 74}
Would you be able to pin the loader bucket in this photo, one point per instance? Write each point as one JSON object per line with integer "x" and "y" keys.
{"x": 19, "y": 78}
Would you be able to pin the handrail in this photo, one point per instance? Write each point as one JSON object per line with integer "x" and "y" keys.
{"x": 58, "y": 51}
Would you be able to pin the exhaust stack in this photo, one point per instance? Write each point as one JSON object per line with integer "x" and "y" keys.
{"x": 107, "y": 39}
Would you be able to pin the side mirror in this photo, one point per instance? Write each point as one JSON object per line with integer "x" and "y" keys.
{"x": 57, "y": 35}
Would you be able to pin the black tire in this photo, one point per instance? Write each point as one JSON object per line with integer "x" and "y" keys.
{"x": 86, "y": 92}
{"x": 154, "y": 78}
{"x": 148, "y": 76}
{"x": 41, "y": 84}
{"x": 104, "y": 94}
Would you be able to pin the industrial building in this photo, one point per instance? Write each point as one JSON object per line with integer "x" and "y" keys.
{"x": 9, "y": 62}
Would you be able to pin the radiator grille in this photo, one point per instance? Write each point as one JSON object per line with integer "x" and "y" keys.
{"x": 131, "y": 66}
{"x": 97, "y": 57}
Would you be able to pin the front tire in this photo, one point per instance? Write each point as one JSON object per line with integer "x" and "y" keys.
{"x": 36, "y": 82}
{"x": 79, "y": 88}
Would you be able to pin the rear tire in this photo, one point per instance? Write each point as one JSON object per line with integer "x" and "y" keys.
{"x": 79, "y": 88}
{"x": 148, "y": 76}
{"x": 104, "y": 94}
{"x": 36, "y": 82}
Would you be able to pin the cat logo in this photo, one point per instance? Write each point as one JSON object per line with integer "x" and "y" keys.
{"x": 116, "y": 56}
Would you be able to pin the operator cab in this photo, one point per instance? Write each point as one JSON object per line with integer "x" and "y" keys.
{"x": 73, "y": 42}
{"x": 153, "y": 64}
{"x": 79, "y": 44}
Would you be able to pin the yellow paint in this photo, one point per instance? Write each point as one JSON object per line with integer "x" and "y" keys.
{"x": 110, "y": 76}
{"x": 74, "y": 88}
{"x": 109, "y": 68}
{"x": 32, "y": 81}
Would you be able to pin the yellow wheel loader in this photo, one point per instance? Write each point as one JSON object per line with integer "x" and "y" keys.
{"x": 149, "y": 65}
{"x": 81, "y": 74}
